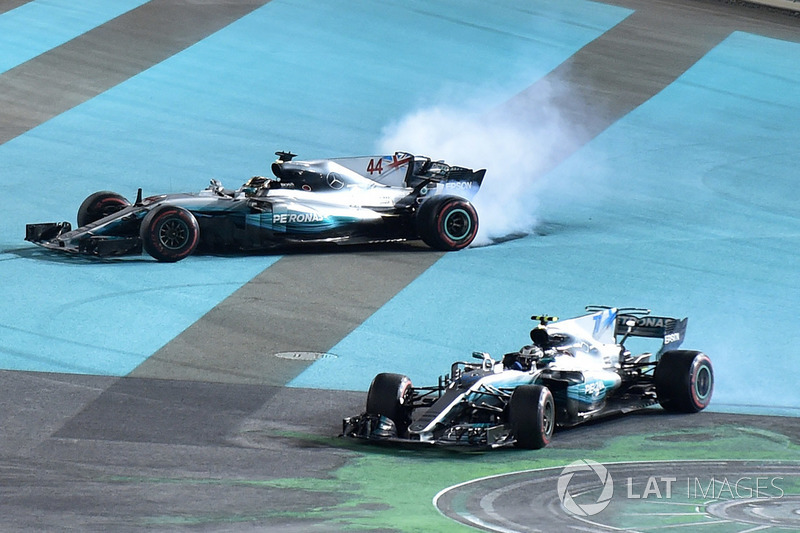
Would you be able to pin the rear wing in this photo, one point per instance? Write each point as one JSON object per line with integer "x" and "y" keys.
{"x": 452, "y": 179}
{"x": 670, "y": 330}
{"x": 637, "y": 322}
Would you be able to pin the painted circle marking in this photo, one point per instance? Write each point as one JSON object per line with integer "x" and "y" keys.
{"x": 776, "y": 512}
{"x": 646, "y": 497}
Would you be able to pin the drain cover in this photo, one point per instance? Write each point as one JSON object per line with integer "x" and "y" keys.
{"x": 304, "y": 356}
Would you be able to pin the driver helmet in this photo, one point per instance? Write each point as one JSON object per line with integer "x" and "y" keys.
{"x": 529, "y": 354}
{"x": 256, "y": 184}
{"x": 540, "y": 337}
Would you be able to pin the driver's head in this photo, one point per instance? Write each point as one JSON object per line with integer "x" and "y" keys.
{"x": 256, "y": 182}
{"x": 253, "y": 185}
{"x": 528, "y": 355}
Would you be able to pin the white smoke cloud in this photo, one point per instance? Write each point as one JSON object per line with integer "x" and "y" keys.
{"x": 517, "y": 143}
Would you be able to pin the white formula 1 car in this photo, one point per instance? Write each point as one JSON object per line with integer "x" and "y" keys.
{"x": 346, "y": 200}
{"x": 573, "y": 371}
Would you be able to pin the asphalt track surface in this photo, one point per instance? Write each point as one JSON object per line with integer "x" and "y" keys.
{"x": 204, "y": 434}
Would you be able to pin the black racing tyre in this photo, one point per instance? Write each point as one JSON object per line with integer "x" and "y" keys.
{"x": 447, "y": 223}
{"x": 169, "y": 233}
{"x": 99, "y": 205}
{"x": 684, "y": 381}
{"x": 532, "y": 413}
{"x": 389, "y": 395}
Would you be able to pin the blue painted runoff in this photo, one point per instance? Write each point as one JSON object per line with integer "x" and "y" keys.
{"x": 40, "y": 25}
{"x": 321, "y": 78}
{"x": 688, "y": 206}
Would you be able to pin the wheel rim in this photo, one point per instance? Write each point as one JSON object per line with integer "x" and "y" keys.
{"x": 702, "y": 383}
{"x": 548, "y": 418}
{"x": 173, "y": 234}
{"x": 458, "y": 224}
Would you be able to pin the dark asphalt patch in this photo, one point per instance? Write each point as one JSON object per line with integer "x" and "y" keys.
{"x": 166, "y": 411}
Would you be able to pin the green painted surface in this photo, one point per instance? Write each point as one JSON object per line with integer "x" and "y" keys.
{"x": 383, "y": 488}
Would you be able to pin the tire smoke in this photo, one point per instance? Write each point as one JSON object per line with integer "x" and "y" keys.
{"x": 518, "y": 143}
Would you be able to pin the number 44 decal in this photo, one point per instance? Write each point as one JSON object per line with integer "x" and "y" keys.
{"x": 374, "y": 166}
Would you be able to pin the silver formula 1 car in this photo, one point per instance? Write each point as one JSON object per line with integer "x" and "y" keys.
{"x": 346, "y": 200}
{"x": 573, "y": 371}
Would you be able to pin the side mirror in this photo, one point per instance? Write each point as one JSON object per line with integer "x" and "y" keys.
{"x": 480, "y": 355}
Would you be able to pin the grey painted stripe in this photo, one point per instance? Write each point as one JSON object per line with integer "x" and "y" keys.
{"x": 304, "y": 302}
{"x": 92, "y": 63}
{"x": 633, "y": 61}
{"x": 607, "y": 79}
{"x": 8, "y": 5}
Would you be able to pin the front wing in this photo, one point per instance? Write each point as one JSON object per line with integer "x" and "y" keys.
{"x": 377, "y": 428}
{"x": 60, "y": 236}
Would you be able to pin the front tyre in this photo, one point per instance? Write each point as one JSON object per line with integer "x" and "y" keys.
{"x": 390, "y": 395}
{"x": 169, "y": 233}
{"x": 684, "y": 381}
{"x": 447, "y": 223}
{"x": 532, "y": 414}
{"x": 100, "y": 205}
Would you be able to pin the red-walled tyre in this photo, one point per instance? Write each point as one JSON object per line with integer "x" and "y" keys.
{"x": 532, "y": 413}
{"x": 99, "y": 205}
{"x": 447, "y": 223}
{"x": 169, "y": 233}
{"x": 684, "y": 381}
{"x": 389, "y": 395}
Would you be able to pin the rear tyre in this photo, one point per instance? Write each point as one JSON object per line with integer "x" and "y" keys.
{"x": 99, "y": 205}
{"x": 389, "y": 395}
{"x": 169, "y": 233}
{"x": 684, "y": 381}
{"x": 447, "y": 223}
{"x": 532, "y": 413}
